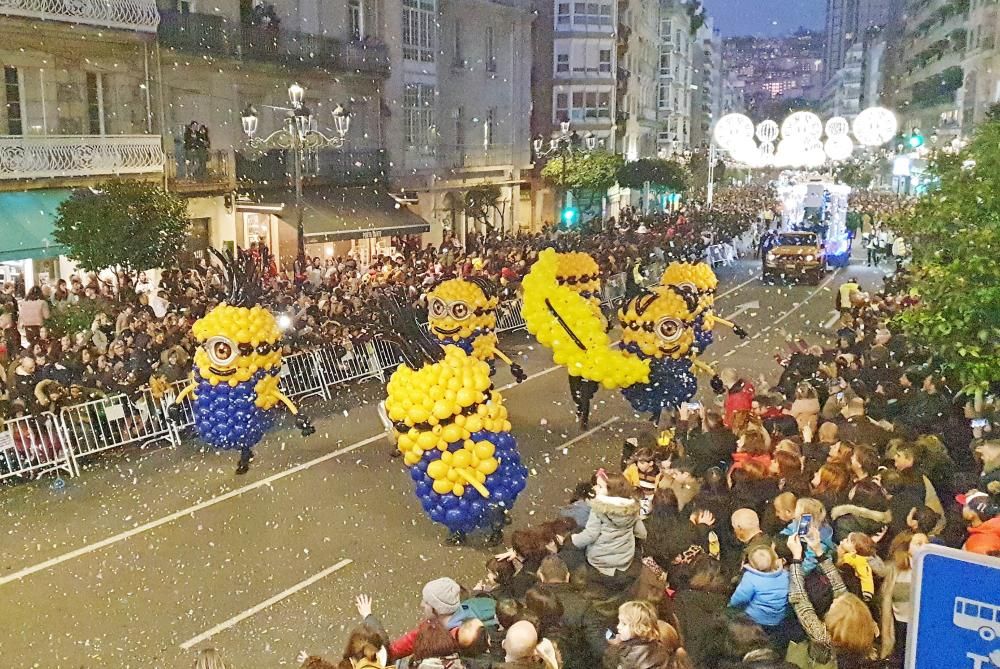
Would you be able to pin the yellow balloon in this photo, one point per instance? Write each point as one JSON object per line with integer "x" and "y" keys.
{"x": 442, "y": 409}
{"x": 411, "y": 459}
{"x": 473, "y": 423}
{"x": 443, "y": 486}
{"x": 437, "y": 469}
{"x": 451, "y": 433}
{"x": 427, "y": 440}
{"x": 488, "y": 466}
{"x": 459, "y": 490}
{"x": 461, "y": 458}
{"x": 485, "y": 449}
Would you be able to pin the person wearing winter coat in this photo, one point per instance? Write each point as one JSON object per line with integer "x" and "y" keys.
{"x": 637, "y": 644}
{"x": 819, "y": 523}
{"x": 739, "y": 394}
{"x": 763, "y": 590}
{"x": 845, "y": 637}
{"x": 440, "y": 599}
{"x": 866, "y": 511}
{"x": 612, "y": 527}
{"x": 982, "y": 513}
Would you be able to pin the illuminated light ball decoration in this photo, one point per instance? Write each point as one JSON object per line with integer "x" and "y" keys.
{"x": 838, "y": 147}
{"x": 804, "y": 126}
{"x": 838, "y": 126}
{"x": 767, "y": 131}
{"x": 791, "y": 152}
{"x": 815, "y": 156}
{"x": 875, "y": 126}
{"x": 745, "y": 151}
{"x": 733, "y": 129}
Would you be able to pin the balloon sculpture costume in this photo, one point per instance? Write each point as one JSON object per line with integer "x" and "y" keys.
{"x": 237, "y": 367}
{"x": 451, "y": 427}
{"x": 653, "y": 363}
{"x": 463, "y": 313}
{"x": 700, "y": 279}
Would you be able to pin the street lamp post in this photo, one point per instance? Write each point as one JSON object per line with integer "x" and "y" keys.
{"x": 564, "y": 145}
{"x": 299, "y": 134}
{"x": 711, "y": 174}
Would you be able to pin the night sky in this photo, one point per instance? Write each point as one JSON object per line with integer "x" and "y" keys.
{"x": 765, "y": 17}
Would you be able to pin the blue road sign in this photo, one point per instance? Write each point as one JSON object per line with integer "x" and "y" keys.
{"x": 956, "y": 611}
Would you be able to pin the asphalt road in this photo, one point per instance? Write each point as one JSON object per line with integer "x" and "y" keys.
{"x": 154, "y": 553}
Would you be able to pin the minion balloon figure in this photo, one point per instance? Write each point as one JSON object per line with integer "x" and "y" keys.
{"x": 463, "y": 313}
{"x": 237, "y": 367}
{"x": 699, "y": 279}
{"x": 452, "y": 429}
{"x": 658, "y": 328}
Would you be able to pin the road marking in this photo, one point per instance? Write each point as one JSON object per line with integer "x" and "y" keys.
{"x": 746, "y": 306}
{"x": 834, "y": 319}
{"x": 159, "y": 522}
{"x": 593, "y": 430}
{"x": 735, "y": 288}
{"x": 515, "y": 384}
{"x": 808, "y": 297}
{"x": 253, "y": 610}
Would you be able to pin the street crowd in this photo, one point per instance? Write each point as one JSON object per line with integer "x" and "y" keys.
{"x": 775, "y": 531}
{"x": 101, "y": 334}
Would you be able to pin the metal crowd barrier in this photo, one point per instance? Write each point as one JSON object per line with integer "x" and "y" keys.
{"x": 33, "y": 446}
{"x": 120, "y": 420}
{"x": 509, "y": 316}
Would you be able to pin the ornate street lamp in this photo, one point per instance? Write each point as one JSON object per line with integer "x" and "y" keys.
{"x": 565, "y": 145}
{"x": 299, "y": 134}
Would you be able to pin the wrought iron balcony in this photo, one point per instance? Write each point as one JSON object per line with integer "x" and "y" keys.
{"x": 200, "y": 171}
{"x": 199, "y": 33}
{"x": 140, "y": 15}
{"x": 336, "y": 167}
{"x": 54, "y": 156}
{"x": 295, "y": 48}
{"x": 496, "y": 155}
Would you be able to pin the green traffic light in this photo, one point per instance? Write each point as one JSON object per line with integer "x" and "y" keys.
{"x": 569, "y": 214}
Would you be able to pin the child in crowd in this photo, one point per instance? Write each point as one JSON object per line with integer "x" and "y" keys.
{"x": 763, "y": 590}
{"x": 856, "y": 553}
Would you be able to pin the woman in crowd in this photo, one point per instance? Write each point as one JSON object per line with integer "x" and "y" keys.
{"x": 897, "y": 607}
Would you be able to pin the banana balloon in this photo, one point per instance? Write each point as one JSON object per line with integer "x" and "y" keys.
{"x": 462, "y": 312}
{"x": 569, "y": 323}
{"x": 702, "y": 282}
{"x": 453, "y": 431}
{"x": 238, "y": 365}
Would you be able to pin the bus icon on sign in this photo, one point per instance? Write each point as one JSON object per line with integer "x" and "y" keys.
{"x": 977, "y": 616}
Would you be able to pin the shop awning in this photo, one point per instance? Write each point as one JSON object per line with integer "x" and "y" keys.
{"x": 26, "y": 223}
{"x": 339, "y": 214}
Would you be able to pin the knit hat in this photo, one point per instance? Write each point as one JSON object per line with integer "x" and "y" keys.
{"x": 442, "y": 595}
{"x": 979, "y": 503}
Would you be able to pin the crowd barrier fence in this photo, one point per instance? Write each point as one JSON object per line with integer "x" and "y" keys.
{"x": 36, "y": 445}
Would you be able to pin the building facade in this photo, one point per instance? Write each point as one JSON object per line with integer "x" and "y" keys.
{"x": 67, "y": 121}
{"x": 847, "y": 21}
{"x": 459, "y": 102}
{"x": 707, "y": 87}
{"x": 981, "y": 65}
{"x": 676, "y": 75}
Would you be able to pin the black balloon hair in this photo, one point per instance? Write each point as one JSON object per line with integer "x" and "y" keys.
{"x": 243, "y": 281}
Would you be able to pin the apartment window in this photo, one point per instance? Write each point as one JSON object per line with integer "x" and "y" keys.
{"x": 666, "y": 30}
{"x": 418, "y": 115}
{"x": 590, "y": 106}
{"x": 459, "y": 59}
{"x": 490, "y": 128}
{"x": 355, "y": 20}
{"x": 561, "y": 107}
{"x": 459, "y": 126}
{"x": 666, "y": 60}
{"x": 591, "y": 14}
{"x": 604, "y": 60}
{"x": 12, "y": 95}
{"x": 562, "y": 63}
{"x": 563, "y": 14}
{"x": 95, "y": 104}
{"x": 185, "y": 6}
{"x": 491, "y": 54}
{"x": 419, "y": 30}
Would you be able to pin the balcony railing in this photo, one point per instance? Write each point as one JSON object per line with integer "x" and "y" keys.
{"x": 295, "y": 48}
{"x": 200, "y": 171}
{"x": 40, "y": 156}
{"x": 216, "y": 35}
{"x": 199, "y": 33}
{"x": 335, "y": 167}
{"x": 495, "y": 155}
{"x": 140, "y": 15}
